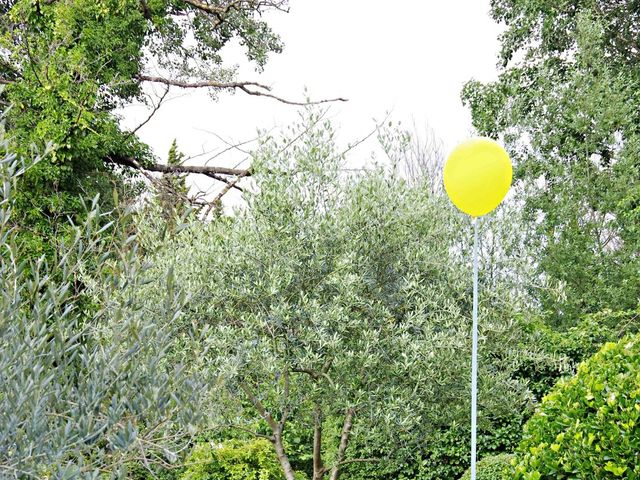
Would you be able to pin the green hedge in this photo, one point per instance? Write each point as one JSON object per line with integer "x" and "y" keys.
{"x": 495, "y": 467}
{"x": 587, "y": 427}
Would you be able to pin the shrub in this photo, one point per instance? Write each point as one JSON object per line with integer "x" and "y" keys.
{"x": 233, "y": 460}
{"x": 495, "y": 467}
{"x": 587, "y": 426}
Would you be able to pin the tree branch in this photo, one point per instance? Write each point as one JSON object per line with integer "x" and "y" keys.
{"x": 225, "y": 190}
{"x": 145, "y": 10}
{"x": 344, "y": 442}
{"x": 289, "y": 102}
{"x": 285, "y": 396}
{"x": 200, "y": 84}
{"x": 156, "y": 107}
{"x": 261, "y": 409}
{"x": 220, "y": 11}
{"x": 210, "y": 171}
{"x": 315, "y": 374}
{"x": 244, "y": 86}
{"x": 215, "y": 9}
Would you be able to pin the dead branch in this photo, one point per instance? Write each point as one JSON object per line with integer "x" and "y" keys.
{"x": 200, "y": 84}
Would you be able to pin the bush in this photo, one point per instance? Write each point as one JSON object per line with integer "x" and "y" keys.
{"x": 233, "y": 460}
{"x": 587, "y": 426}
{"x": 495, "y": 467}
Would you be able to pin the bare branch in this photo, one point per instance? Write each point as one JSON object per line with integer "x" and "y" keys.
{"x": 231, "y": 183}
{"x": 244, "y": 86}
{"x": 201, "y": 84}
{"x": 289, "y": 102}
{"x": 156, "y": 107}
{"x": 225, "y": 190}
{"x": 210, "y": 171}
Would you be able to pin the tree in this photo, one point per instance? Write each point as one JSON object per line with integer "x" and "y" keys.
{"x": 78, "y": 398}
{"x": 332, "y": 302}
{"x": 68, "y": 65}
{"x": 566, "y": 104}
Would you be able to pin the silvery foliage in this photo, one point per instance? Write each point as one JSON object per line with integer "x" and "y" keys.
{"x": 506, "y": 259}
{"x": 332, "y": 291}
{"x": 83, "y": 386}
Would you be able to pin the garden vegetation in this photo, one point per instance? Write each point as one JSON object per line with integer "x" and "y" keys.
{"x": 320, "y": 330}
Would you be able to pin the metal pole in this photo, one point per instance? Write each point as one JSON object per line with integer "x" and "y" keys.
{"x": 474, "y": 351}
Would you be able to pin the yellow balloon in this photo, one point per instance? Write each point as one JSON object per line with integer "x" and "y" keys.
{"x": 477, "y": 176}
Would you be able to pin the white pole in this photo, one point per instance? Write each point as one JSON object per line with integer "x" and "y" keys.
{"x": 474, "y": 351}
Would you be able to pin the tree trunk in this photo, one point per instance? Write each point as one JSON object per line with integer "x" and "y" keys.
{"x": 283, "y": 458}
{"x": 344, "y": 442}
{"x": 318, "y": 468}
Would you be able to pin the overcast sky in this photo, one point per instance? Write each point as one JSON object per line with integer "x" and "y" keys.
{"x": 410, "y": 57}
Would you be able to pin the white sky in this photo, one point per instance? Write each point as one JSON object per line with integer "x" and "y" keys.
{"x": 410, "y": 57}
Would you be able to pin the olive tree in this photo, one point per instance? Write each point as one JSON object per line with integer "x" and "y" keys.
{"x": 336, "y": 297}
{"x": 84, "y": 388}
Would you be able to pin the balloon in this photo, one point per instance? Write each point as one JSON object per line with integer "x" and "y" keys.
{"x": 477, "y": 176}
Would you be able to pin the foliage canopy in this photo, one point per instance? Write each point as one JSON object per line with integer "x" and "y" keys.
{"x": 67, "y": 66}
{"x": 566, "y": 103}
{"x": 76, "y": 398}
{"x": 330, "y": 301}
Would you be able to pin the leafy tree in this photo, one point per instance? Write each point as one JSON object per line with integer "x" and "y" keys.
{"x": 83, "y": 391}
{"x": 67, "y": 66}
{"x": 566, "y": 103}
{"x": 332, "y": 301}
